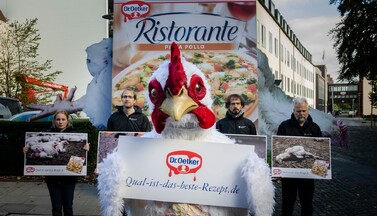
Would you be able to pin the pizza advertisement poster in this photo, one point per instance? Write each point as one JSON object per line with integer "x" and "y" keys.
{"x": 258, "y": 141}
{"x": 301, "y": 157}
{"x": 108, "y": 142}
{"x": 218, "y": 37}
{"x": 55, "y": 154}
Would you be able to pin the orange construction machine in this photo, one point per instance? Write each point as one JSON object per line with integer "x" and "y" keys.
{"x": 30, "y": 92}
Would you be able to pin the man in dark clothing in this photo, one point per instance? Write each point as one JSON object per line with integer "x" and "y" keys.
{"x": 128, "y": 117}
{"x": 234, "y": 122}
{"x": 300, "y": 124}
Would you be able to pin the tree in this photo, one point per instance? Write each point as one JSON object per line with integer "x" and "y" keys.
{"x": 19, "y": 43}
{"x": 356, "y": 39}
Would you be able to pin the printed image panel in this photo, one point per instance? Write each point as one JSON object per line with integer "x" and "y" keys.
{"x": 301, "y": 157}
{"x": 55, "y": 153}
{"x": 108, "y": 141}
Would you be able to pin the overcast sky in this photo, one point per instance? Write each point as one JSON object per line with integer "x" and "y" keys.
{"x": 67, "y": 28}
{"x": 311, "y": 20}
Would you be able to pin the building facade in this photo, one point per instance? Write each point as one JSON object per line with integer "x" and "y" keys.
{"x": 344, "y": 96}
{"x": 321, "y": 88}
{"x": 288, "y": 59}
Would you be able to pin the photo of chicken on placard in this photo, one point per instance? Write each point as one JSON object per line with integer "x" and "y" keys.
{"x": 301, "y": 157}
{"x": 55, "y": 153}
{"x": 108, "y": 141}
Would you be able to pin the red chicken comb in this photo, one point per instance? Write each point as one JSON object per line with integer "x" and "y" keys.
{"x": 177, "y": 77}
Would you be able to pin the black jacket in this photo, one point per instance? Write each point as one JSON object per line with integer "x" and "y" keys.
{"x": 239, "y": 125}
{"x": 136, "y": 122}
{"x": 291, "y": 127}
{"x": 61, "y": 179}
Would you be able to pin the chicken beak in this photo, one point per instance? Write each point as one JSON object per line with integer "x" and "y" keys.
{"x": 178, "y": 105}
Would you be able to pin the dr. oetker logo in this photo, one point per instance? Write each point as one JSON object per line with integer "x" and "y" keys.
{"x": 135, "y": 10}
{"x": 183, "y": 162}
{"x": 30, "y": 169}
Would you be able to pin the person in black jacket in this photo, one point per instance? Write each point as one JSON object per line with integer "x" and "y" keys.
{"x": 234, "y": 122}
{"x": 61, "y": 188}
{"x": 300, "y": 124}
{"x": 129, "y": 116}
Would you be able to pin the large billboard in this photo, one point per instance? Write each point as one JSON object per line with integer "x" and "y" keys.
{"x": 219, "y": 37}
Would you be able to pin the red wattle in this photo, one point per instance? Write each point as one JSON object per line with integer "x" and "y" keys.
{"x": 205, "y": 117}
{"x": 159, "y": 120}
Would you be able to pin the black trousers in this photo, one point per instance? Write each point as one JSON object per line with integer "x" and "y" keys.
{"x": 305, "y": 190}
{"x": 61, "y": 195}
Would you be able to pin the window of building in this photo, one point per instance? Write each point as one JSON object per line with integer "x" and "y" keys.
{"x": 288, "y": 56}
{"x": 276, "y": 48}
{"x": 282, "y": 82}
{"x": 270, "y": 44}
{"x": 258, "y": 31}
{"x": 293, "y": 87}
{"x": 263, "y": 36}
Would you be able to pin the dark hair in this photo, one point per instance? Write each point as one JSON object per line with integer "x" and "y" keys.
{"x": 130, "y": 90}
{"x": 235, "y": 96}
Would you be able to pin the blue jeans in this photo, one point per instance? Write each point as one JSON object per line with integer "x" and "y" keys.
{"x": 61, "y": 195}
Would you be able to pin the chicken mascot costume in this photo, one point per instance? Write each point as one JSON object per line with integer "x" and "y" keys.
{"x": 180, "y": 106}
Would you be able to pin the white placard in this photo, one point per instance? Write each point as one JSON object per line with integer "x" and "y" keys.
{"x": 55, "y": 154}
{"x": 184, "y": 171}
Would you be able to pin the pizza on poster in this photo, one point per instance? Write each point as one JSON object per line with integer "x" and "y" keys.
{"x": 55, "y": 154}
{"x": 301, "y": 157}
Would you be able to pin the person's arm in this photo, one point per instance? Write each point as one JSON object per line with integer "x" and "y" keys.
{"x": 253, "y": 130}
{"x": 25, "y": 149}
{"x": 281, "y": 130}
{"x": 318, "y": 132}
{"x": 109, "y": 126}
{"x": 145, "y": 124}
{"x": 218, "y": 127}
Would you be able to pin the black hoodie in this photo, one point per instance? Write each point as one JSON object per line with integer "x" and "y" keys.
{"x": 291, "y": 127}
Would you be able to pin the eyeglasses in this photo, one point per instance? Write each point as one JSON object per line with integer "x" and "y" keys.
{"x": 127, "y": 96}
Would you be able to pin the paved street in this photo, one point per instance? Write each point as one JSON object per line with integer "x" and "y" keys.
{"x": 352, "y": 191}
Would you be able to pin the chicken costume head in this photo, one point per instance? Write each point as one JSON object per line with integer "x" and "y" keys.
{"x": 180, "y": 103}
{"x": 183, "y": 90}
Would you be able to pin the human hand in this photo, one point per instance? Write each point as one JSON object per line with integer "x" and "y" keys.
{"x": 67, "y": 104}
{"x": 25, "y": 149}
{"x": 87, "y": 147}
{"x": 96, "y": 171}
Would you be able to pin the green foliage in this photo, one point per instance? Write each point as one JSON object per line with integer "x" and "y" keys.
{"x": 19, "y": 43}
{"x": 373, "y": 93}
{"x": 356, "y": 39}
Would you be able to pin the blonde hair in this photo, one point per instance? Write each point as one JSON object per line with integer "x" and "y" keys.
{"x": 66, "y": 115}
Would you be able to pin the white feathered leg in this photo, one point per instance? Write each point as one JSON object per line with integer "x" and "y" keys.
{"x": 110, "y": 184}
{"x": 260, "y": 189}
